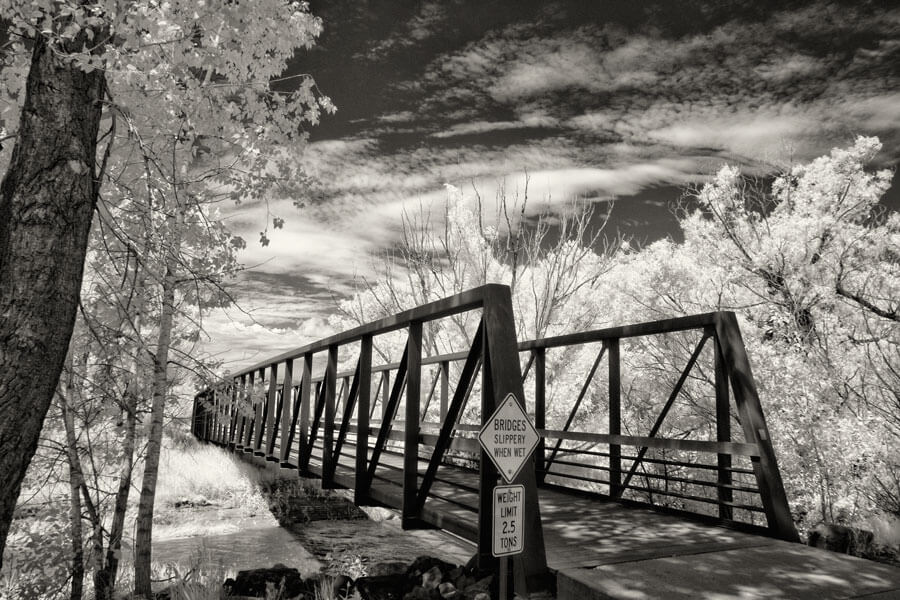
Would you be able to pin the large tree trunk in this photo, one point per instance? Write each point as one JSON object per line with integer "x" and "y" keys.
{"x": 46, "y": 203}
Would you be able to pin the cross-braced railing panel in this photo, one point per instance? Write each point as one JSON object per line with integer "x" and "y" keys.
{"x": 652, "y": 421}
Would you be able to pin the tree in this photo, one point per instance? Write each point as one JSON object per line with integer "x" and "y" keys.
{"x": 550, "y": 261}
{"x": 808, "y": 260}
{"x": 47, "y": 200}
{"x": 809, "y": 263}
{"x": 198, "y": 75}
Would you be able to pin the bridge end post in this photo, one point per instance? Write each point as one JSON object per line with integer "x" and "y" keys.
{"x": 410, "y": 513}
{"x": 502, "y": 375}
{"x": 753, "y": 422}
{"x": 360, "y": 488}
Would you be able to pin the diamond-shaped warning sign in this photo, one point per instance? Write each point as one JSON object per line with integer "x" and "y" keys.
{"x": 509, "y": 438}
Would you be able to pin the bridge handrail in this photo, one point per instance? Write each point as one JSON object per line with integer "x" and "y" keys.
{"x": 424, "y": 313}
{"x": 596, "y": 335}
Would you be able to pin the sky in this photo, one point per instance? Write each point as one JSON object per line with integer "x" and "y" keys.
{"x": 596, "y": 100}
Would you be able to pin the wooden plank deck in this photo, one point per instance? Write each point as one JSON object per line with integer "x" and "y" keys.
{"x": 604, "y": 549}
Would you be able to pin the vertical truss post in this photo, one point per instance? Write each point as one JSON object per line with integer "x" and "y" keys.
{"x": 410, "y": 515}
{"x": 235, "y": 414}
{"x": 445, "y": 388}
{"x": 615, "y": 419}
{"x": 214, "y": 413}
{"x": 304, "y": 449}
{"x": 723, "y": 433}
{"x": 220, "y": 410}
{"x": 360, "y": 487}
{"x": 222, "y": 398}
{"x": 540, "y": 409}
{"x": 487, "y": 472}
{"x": 270, "y": 412}
{"x": 199, "y": 419}
{"x": 753, "y": 422}
{"x": 210, "y": 399}
{"x": 330, "y": 385}
{"x": 252, "y": 409}
{"x": 194, "y": 416}
{"x": 287, "y": 388}
{"x": 240, "y": 413}
{"x": 385, "y": 393}
{"x": 232, "y": 411}
{"x": 502, "y": 375}
{"x": 260, "y": 419}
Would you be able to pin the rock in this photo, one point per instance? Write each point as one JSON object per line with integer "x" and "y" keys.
{"x": 420, "y": 593}
{"x": 447, "y": 590}
{"x": 482, "y": 586}
{"x": 381, "y": 587}
{"x": 840, "y": 538}
{"x": 253, "y": 582}
{"x": 424, "y": 563}
{"x": 192, "y": 502}
{"x": 396, "y": 567}
{"x": 341, "y": 586}
{"x": 432, "y": 578}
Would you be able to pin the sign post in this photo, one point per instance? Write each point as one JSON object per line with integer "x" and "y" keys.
{"x": 508, "y": 438}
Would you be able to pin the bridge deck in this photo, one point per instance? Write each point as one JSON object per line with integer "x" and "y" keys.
{"x": 604, "y": 549}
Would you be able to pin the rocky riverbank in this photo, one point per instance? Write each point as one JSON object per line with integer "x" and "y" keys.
{"x": 317, "y": 544}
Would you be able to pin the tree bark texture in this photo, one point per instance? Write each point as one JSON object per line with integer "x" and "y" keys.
{"x": 47, "y": 199}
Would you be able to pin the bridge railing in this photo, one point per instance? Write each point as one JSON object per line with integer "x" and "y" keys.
{"x": 690, "y": 440}
{"x": 297, "y": 409}
{"x": 715, "y": 461}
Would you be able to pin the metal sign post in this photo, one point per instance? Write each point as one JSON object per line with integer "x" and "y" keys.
{"x": 509, "y": 438}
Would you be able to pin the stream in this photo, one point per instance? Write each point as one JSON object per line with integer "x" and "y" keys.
{"x": 226, "y": 538}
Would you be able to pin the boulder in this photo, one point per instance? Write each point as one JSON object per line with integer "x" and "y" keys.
{"x": 381, "y": 587}
{"x": 432, "y": 578}
{"x": 253, "y": 582}
{"x": 840, "y": 538}
{"x": 420, "y": 593}
{"x": 425, "y": 563}
{"x": 396, "y": 567}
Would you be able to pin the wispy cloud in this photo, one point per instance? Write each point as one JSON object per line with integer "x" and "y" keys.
{"x": 593, "y": 107}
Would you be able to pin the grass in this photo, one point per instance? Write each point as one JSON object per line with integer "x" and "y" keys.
{"x": 203, "y": 474}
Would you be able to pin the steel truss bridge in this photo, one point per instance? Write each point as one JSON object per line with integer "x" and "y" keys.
{"x": 670, "y": 511}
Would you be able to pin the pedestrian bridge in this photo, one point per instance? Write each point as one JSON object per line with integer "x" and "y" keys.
{"x": 654, "y": 477}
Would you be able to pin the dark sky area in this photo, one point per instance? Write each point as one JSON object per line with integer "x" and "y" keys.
{"x": 596, "y": 100}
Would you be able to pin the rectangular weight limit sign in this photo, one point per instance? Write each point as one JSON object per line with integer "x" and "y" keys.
{"x": 508, "y": 535}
